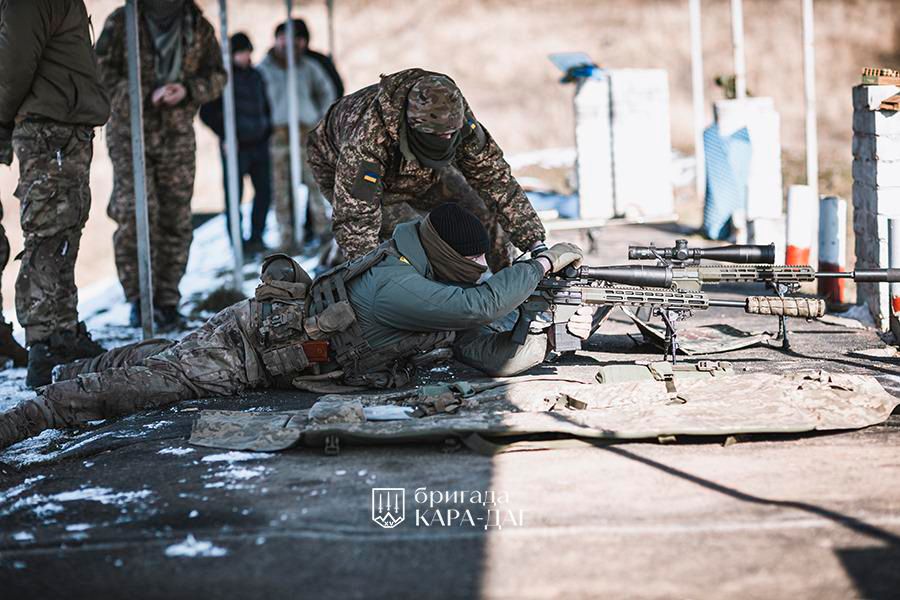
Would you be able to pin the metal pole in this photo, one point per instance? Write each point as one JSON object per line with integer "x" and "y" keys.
{"x": 809, "y": 88}
{"x": 231, "y": 154}
{"x": 697, "y": 87}
{"x": 135, "y": 93}
{"x": 299, "y": 191}
{"x": 737, "y": 40}
{"x": 330, "y": 6}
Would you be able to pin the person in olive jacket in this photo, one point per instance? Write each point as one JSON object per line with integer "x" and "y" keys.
{"x": 51, "y": 99}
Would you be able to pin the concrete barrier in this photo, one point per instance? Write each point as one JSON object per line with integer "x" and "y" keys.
{"x": 802, "y": 213}
{"x": 833, "y": 247}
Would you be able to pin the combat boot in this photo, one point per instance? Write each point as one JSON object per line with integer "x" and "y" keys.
{"x": 58, "y": 349}
{"x": 26, "y": 419}
{"x": 10, "y": 348}
{"x": 168, "y": 318}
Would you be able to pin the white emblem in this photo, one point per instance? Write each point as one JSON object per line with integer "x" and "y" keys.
{"x": 388, "y": 506}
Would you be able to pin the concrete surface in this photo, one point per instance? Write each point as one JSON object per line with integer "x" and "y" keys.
{"x": 769, "y": 516}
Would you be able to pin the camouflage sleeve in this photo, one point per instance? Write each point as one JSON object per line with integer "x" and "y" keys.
{"x": 481, "y": 161}
{"x": 110, "y": 51}
{"x": 357, "y": 199}
{"x": 209, "y": 81}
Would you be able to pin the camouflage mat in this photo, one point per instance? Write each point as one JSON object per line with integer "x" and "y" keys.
{"x": 738, "y": 404}
{"x": 705, "y": 339}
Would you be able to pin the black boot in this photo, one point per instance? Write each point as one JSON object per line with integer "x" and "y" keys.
{"x": 168, "y": 318}
{"x": 58, "y": 349}
{"x": 10, "y": 348}
{"x": 134, "y": 319}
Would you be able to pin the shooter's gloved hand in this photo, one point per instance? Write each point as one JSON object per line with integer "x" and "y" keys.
{"x": 580, "y": 323}
{"x": 562, "y": 255}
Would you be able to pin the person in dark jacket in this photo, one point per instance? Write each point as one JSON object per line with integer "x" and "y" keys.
{"x": 253, "y": 118}
{"x": 50, "y": 101}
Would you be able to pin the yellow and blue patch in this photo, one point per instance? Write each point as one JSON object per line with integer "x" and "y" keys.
{"x": 370, "y": 176}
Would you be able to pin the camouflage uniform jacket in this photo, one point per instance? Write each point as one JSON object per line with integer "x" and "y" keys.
{"x": 360, "y": 145}
{"x": 203, "y": 74}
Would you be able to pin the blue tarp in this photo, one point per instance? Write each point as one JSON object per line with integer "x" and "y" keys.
{"x": 565, "y": 204}
{"x": 727, "y": 173}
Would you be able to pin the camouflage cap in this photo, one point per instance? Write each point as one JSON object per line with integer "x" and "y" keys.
{"x": 435, "y": 105}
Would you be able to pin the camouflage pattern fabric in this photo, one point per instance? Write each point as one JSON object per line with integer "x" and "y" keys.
{"x": 55, "y": 196}
{"x": 218, "y": 359}
{"x": 770, "y": 403}
{"x": 435, "y": 105}
{"x": 280, "y": 149}
{"x": 170, "y": 151}
{"x": 355, "y": 153}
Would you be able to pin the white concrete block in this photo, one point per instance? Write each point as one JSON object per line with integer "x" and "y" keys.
{"x": 593, "y": 165}
{"x": 758, "y": 115}
{"x": 641, "y": 142}
{"x": 833, "y": 231}
{"x": 870, "y": 97}
{"x": 882, "y": 200}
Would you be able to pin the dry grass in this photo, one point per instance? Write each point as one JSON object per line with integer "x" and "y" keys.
{"x": 496, "y": 50}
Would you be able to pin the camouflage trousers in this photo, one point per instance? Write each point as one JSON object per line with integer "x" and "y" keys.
{"x": 170, "y": 168}
{"x": 55, "y": 196}
{"x": 4, "y": 255}
{"x": 218, "y": 359}
{"x": 317, "y": 213}
{"x": 222, "y": 359}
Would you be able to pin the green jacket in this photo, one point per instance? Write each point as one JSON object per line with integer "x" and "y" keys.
{"x": 47, "y": 66}
{"x": 399, "y": 296}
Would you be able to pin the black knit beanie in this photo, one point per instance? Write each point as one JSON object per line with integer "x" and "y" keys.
{"x": 460, "y": 229}
{"x": 240, "y": 42}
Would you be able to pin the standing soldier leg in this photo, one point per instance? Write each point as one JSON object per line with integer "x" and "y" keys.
{"x": 281, "y": 187}
{"x": 175, "y": 171}
{"x": 54, "y": 190}
{"x": 121, "y": 209}
{"x": 260, "y": 170}
{"x": 318, "y": 224}
{"x": 9, "y": 347}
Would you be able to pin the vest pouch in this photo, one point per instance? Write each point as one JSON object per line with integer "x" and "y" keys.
{"x": 285, "y": 360}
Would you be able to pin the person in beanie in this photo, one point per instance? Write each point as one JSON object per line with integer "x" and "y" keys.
{"x": 374, "y": 320}
{"x": 405, "y": 145}
{"x": 253, "y": 119}
{"x": 315, "y": 93}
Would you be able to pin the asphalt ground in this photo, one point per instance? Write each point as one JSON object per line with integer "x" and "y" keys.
{"x": 130, "y": 509}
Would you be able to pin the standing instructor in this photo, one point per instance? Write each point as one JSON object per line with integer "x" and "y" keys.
{"x": 50, "y": 101}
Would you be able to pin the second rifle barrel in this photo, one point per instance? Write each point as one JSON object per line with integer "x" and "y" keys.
{"x": 864, "y": 275}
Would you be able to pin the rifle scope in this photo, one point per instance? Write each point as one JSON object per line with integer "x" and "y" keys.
{"x": 657, "y": 277}
{"x": 738, "y": 254}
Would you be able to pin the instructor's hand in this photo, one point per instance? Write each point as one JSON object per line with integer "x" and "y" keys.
{"x": 580, "y": 323}
{"x": 562, "y": 255}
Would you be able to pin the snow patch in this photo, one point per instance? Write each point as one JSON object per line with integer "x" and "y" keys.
{"x": 23, "y": 536}
{"x": 48, "y": 505}
{"x": 78, "y": 527}
{"x": 176, "y": 451}
{"x": 235, "y": 456}
{"x": 157, "y": 424}
{"x": 192, "y": 548}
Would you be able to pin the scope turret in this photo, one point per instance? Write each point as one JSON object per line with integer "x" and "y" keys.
{"x": 742, "y": 254}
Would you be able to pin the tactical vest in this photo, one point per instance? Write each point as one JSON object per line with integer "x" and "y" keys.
{"x": 280, "y": 333}
{"x": 389, "y": 366}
